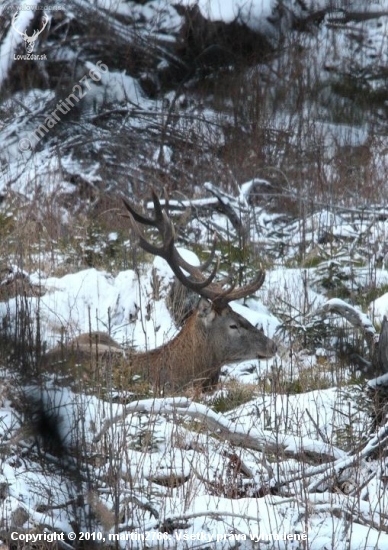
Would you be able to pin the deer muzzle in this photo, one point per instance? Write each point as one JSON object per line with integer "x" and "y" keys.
{"x": 270, "y": 351}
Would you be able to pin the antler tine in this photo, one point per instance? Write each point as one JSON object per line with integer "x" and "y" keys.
{"x": 136, "y": 216}
{"x": 197, "y": 286}
{"x": 147, "y": 246}
{"x": 168, "y": 251}
{"x": 196, "y": 280}
{"x": 13, "y": 24}
{"x": 231, "y": 294}
{"x": 159, "y": 217}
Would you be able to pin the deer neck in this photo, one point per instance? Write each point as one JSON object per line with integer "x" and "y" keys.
{"x": 184, "y": 359}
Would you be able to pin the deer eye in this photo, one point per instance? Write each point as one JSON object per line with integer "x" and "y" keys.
{"x": 233, "y": 326}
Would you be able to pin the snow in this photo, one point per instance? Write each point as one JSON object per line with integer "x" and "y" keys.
{"x": 335, "y": 495}
{"x": 379, "y": 308}
{"x": 353, "y": 314}
{"x": 273, "y": 411}
{"x": 254, "y": 13}
{"x": 284, "y": 285}
{"x": 95, "y": 299}
{"x": 183, "y": 464}
{"x": 160, "y": 15}
{"x": 113, "y": 88}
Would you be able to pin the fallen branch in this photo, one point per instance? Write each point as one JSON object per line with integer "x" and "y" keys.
{"x": 352, "y": 314}
{"x": 150, "y": 406}
{"x": 258, "y": 440}
{"x": 334, "y": 469}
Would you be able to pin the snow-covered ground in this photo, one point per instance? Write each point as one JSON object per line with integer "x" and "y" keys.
{"x": 173, "y": 472}
{"x": 282, "y": 463}
{"x": 198, "y": 486}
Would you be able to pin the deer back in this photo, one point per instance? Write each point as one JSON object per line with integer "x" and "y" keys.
{"x": 87, "y": 357}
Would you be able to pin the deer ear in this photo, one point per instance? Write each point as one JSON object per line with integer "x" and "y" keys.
{"x": 205, "y": 310}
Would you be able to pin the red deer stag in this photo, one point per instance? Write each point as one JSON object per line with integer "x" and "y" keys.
{"x": 211, "y": 337}
{"x": 214, "y": 334}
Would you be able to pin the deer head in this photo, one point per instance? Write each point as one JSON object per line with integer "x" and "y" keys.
{"x": 30, "y": 40}
{"x": 214, "y": 334}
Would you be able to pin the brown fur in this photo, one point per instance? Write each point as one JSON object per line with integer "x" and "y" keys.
{"x": 178, "y": 363}
{"x": 208, "y": 340}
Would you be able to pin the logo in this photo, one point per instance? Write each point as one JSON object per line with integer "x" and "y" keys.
{"x": 30, "y": 40}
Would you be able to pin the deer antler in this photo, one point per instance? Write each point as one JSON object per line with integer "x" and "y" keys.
{"x": 23, "y": 34}
{"x": 35, "y": 34}
{"x": 196, "y": 280}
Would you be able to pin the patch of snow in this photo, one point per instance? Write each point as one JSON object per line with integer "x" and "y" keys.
{"x": 113, "y": 88}
{"x": 329, "y": 409}
{"x": 378, "y": 308}
{"x": 256, "y": 14}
